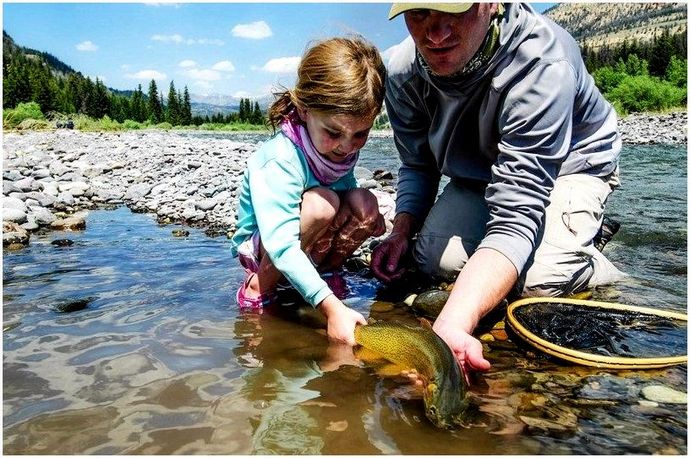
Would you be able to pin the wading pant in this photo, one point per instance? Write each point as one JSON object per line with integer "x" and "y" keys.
{"x": 565, "y": 260}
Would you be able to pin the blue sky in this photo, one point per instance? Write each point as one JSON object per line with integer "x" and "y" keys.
{"x": 238, "y": 49}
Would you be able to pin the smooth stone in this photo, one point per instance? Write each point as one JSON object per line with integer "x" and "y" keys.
{"x": 14, "y": 202}
{"x": 664, "y": 394}
{"x": 13, "y": 215}
{"x": 69, "y": 224}
{"x": 13, "y": 234}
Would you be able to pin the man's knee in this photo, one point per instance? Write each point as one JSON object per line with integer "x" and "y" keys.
{"x": 557, "y": 278}
{"x": 320, "y": 204}
{"x": 441, "y": 258}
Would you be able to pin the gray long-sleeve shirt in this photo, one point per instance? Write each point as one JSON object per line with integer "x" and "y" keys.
{"x": 531, "y": 114}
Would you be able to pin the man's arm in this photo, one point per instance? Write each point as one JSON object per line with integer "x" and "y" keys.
{"x": 485, "y": 280}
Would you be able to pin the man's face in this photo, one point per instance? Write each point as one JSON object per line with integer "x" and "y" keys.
{"x": 448, "y": 41}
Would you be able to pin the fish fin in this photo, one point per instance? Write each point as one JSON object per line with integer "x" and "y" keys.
{"x": 389, "y": 370}
{"x": 426, "y": 323}
{"x": 368, "y": 355}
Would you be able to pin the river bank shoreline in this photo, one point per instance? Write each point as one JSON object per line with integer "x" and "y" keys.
{"x": 49, "y": 176}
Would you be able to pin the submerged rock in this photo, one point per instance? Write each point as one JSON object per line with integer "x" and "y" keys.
{"x": 13, "y": 234}
{"x": 664, "y": 394}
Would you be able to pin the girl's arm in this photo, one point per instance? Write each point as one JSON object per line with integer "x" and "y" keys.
{"x": 341, "y": 320}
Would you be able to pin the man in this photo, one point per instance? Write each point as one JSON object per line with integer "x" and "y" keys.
{"x": 497, "y": 98}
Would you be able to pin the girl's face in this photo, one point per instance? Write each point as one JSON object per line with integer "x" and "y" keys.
{"x": 336, "y": 136}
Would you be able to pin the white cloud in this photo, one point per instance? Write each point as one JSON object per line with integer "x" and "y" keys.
{"x": 87, "y": 46}
{"x": 282, "y": 65}
{"x": 175, "y": 38}
{"x": 179, "y": 39}
{"x": 176, "y": 5}
{"x": 255, "y": 30}
{"x": 224, "y": 66}
{"x": 187, "y": 63}
{"x": 146, "y": 75}
{"x": 242, "y": 95}
{"x": 204, "y": 41}
{"x": 203, "y": 74}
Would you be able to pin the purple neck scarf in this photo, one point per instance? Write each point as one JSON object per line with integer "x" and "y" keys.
{"x": 325, "y": 170}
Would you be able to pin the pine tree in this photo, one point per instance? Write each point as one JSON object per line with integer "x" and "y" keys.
{"x": 186, "y": 108}
{"x": 243, "y": 111}
{"x": 137, "y": 111}
{"x": 661, "y": 55}
{"x": 16, "y": 85}
{"x": 101, "y": 100}
{"x": 154, "y": 104}
{"x": 257, "y": 116}
{"x": 173, "y": 111}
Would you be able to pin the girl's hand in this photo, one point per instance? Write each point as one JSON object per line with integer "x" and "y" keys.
{"x": 341, "y": 320}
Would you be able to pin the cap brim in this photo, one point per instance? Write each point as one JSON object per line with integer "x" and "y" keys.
{"x": 454, "y": 8}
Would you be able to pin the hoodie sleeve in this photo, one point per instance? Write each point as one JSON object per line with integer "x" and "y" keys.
{"x": 535, "y": 128}
{"x": 419, "y": 176}
{"x": 276, "y": 195}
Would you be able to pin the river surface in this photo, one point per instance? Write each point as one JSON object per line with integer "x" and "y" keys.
{"x": 128, "y": 341}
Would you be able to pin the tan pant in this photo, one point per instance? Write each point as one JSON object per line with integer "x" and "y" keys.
{"x": 565, "y": 260}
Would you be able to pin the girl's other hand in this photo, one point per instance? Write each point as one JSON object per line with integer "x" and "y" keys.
{"x": 341, "y": 320}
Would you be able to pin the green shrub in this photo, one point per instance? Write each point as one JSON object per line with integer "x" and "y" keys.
{"x": 129, "y": 124}
{"x": 647, "y": 93}
{"x": 109, "y": 124}
{"x": 13, "y": 117}
{"x": 607, "y": 78}
{"x": 163, "y": 125}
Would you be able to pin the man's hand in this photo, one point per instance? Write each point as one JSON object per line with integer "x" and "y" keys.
{"x": 467, "y": 350}
{"x": 341, "y": 320}
{"x": 386, "y": 257}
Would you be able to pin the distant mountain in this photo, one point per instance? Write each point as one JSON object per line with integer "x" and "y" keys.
{"x": 598, "y": 23}
{"x": 208, "y": 105}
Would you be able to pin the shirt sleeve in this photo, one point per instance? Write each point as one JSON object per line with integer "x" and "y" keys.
{"x": 419, "y": 176}
{"x": 535, "y": 127}
{"x": 276, "y": 195}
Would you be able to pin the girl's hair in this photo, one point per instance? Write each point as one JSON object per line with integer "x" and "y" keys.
{"x": 335, "y": 76}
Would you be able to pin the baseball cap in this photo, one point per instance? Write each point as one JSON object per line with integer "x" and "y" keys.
{"x": 399, "y": 8}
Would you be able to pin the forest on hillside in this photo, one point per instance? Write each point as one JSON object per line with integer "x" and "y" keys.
{"x": 59, "y": 91}
{"x": 635, "y": 75}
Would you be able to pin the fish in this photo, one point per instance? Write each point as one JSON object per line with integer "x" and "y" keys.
{"x": 430, "y": 303}
{"x": 419, "y": 348}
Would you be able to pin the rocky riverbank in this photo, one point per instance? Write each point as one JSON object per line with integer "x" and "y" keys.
{"x": 645, "y": 129}
{"x": 49, "y": 176}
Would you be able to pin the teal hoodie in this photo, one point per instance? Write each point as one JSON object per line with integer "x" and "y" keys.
{"x": 529, "y": 115}
{"x": 276, "y": 176}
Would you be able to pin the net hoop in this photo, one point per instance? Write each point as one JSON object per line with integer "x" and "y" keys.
{"x": 589, "y": 359}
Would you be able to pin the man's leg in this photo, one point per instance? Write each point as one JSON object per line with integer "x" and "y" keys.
{"x": 452, "y": 231}
{"x": 566, "y": 261}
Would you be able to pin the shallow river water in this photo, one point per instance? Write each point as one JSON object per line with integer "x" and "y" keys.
{"x": 128, "y": 341}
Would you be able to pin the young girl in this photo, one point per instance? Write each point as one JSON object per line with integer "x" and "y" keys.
{"x": 300, "y": 213}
